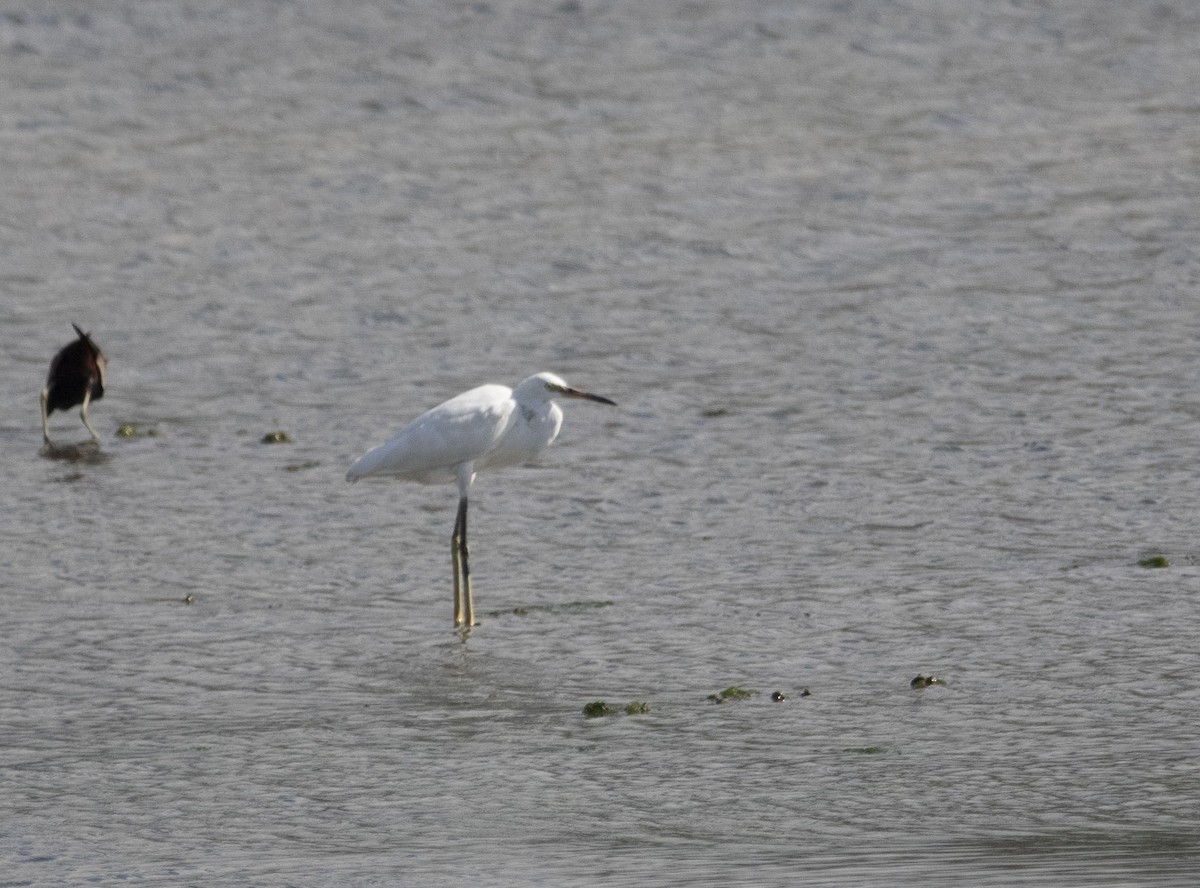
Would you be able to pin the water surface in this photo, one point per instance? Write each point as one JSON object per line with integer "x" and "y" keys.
{"x": 896, "y": 299}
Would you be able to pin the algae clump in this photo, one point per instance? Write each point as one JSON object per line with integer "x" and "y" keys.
{"x": 733, "y": 692}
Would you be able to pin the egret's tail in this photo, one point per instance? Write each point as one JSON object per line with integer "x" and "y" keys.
{"x": 367, "y": 464}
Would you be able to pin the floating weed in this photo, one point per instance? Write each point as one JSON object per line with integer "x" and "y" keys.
{"x": 276, "y": 438}
{"x": 1154, "y": 561}
{"x": 866, "y": 750}
{"x": 637, "y": 707}
{"x": 733, "y": 692}
{"x": 301, "y": 466}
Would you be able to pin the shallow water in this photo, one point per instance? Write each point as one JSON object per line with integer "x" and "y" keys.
{"x": 895, "y": 299}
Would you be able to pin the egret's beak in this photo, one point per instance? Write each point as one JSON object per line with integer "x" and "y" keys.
{"x": 586, "y": 396}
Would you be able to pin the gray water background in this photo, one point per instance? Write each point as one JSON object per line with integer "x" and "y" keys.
{"x": 898, "y": 302}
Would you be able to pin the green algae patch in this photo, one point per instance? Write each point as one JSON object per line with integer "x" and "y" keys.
{"x": 1152, "y": 562}
{"x": 733, "y": 692}
{"x": 276, "y": 438}
{"x": 600, "y": 709}
{"x": 925, "y": 681}
{"x": 866, "y": 750}
{"x": 133, "y": 430}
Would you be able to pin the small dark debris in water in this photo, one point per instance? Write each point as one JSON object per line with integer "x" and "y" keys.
{"x": 714, "y": 412}
{"x": 924, "y": 681}
{"x": 582, "y": 605}
{"x": 277, "y": 438}
{"x": 781, "y": 696}
{"x": 566, "y": 606}
{"x": 189, "y": 598}
{"x": 733, "y": 692}
{"x": 300, "y": 467}
{"x": 1154, "y": 561}
{"x": 637, "y": 707}
{"x": 866, "y": 750}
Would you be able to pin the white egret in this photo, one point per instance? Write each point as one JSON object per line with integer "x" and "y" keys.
{"x": 486, "y": 427}
{"x": 77, "y": 376}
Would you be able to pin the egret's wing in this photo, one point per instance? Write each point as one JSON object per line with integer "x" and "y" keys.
{"x": 457, "y": 431}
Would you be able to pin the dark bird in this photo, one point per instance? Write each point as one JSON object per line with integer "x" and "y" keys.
{"x": 76, "y": 377}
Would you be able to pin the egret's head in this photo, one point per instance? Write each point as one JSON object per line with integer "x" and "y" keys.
{"x": 547, "y": 385}
{"x": 555, "y": 385}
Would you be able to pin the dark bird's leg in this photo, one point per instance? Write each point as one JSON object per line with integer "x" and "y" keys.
{"x": 45, "y": 416}
{"x": 464, "y": 609}
{"x": 87, "y": 399}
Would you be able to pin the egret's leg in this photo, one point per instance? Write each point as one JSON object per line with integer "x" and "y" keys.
{"x": 87, "y": 399}
{"x": 464, "y": 608}
{"x": 468, "y": 604}
{"x": 45, "y": 417}
{"x": 456, "y": 560}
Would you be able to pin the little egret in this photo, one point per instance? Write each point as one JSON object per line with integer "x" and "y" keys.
{"x": 76, "y": 376}
{"x": 486, "y": 427}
